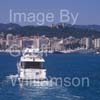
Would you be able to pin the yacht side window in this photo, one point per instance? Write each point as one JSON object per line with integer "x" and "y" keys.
{"x": 22, "y": 64}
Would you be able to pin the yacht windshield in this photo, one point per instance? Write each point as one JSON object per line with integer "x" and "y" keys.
{"x": 35, "y": 65}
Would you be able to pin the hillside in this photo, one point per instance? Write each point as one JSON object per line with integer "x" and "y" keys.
{"x": 75, "y": 31}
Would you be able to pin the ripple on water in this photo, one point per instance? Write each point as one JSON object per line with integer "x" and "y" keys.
{"x": 34, "y": 93}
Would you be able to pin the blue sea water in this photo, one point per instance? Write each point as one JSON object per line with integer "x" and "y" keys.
{"x": 58, "y": 65}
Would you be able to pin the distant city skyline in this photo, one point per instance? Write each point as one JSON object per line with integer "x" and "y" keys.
{"x": 88, "y": 10}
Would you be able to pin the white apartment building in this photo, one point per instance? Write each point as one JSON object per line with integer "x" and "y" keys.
{"x": 97, "y": 43}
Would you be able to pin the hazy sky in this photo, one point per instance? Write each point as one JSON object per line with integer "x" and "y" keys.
{"x": 89, "y": 10}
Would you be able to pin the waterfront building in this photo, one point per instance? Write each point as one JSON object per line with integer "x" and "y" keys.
{"x": 9, "y": 39}
{"x": 97, "y": 43}
{"x": 87, "y": 43}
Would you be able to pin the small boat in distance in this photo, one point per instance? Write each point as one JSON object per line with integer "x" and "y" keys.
{"x": 30, "y": 66}
{"x": 97, "y": 52}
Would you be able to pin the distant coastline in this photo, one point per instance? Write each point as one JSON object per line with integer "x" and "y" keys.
{"x": 57, "y": 38}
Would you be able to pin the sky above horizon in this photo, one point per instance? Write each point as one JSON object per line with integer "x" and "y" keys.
{"x": 89, "y": 10}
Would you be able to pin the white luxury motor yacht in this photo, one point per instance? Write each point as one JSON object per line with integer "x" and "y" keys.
{"x": 30, "y": 66}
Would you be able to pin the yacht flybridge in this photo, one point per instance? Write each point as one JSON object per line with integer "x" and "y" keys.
{"x": 30, "y": 66}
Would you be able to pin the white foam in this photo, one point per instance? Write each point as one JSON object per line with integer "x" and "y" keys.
{"x": 12, "y": 76}
{"x": 44, "y": 83}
